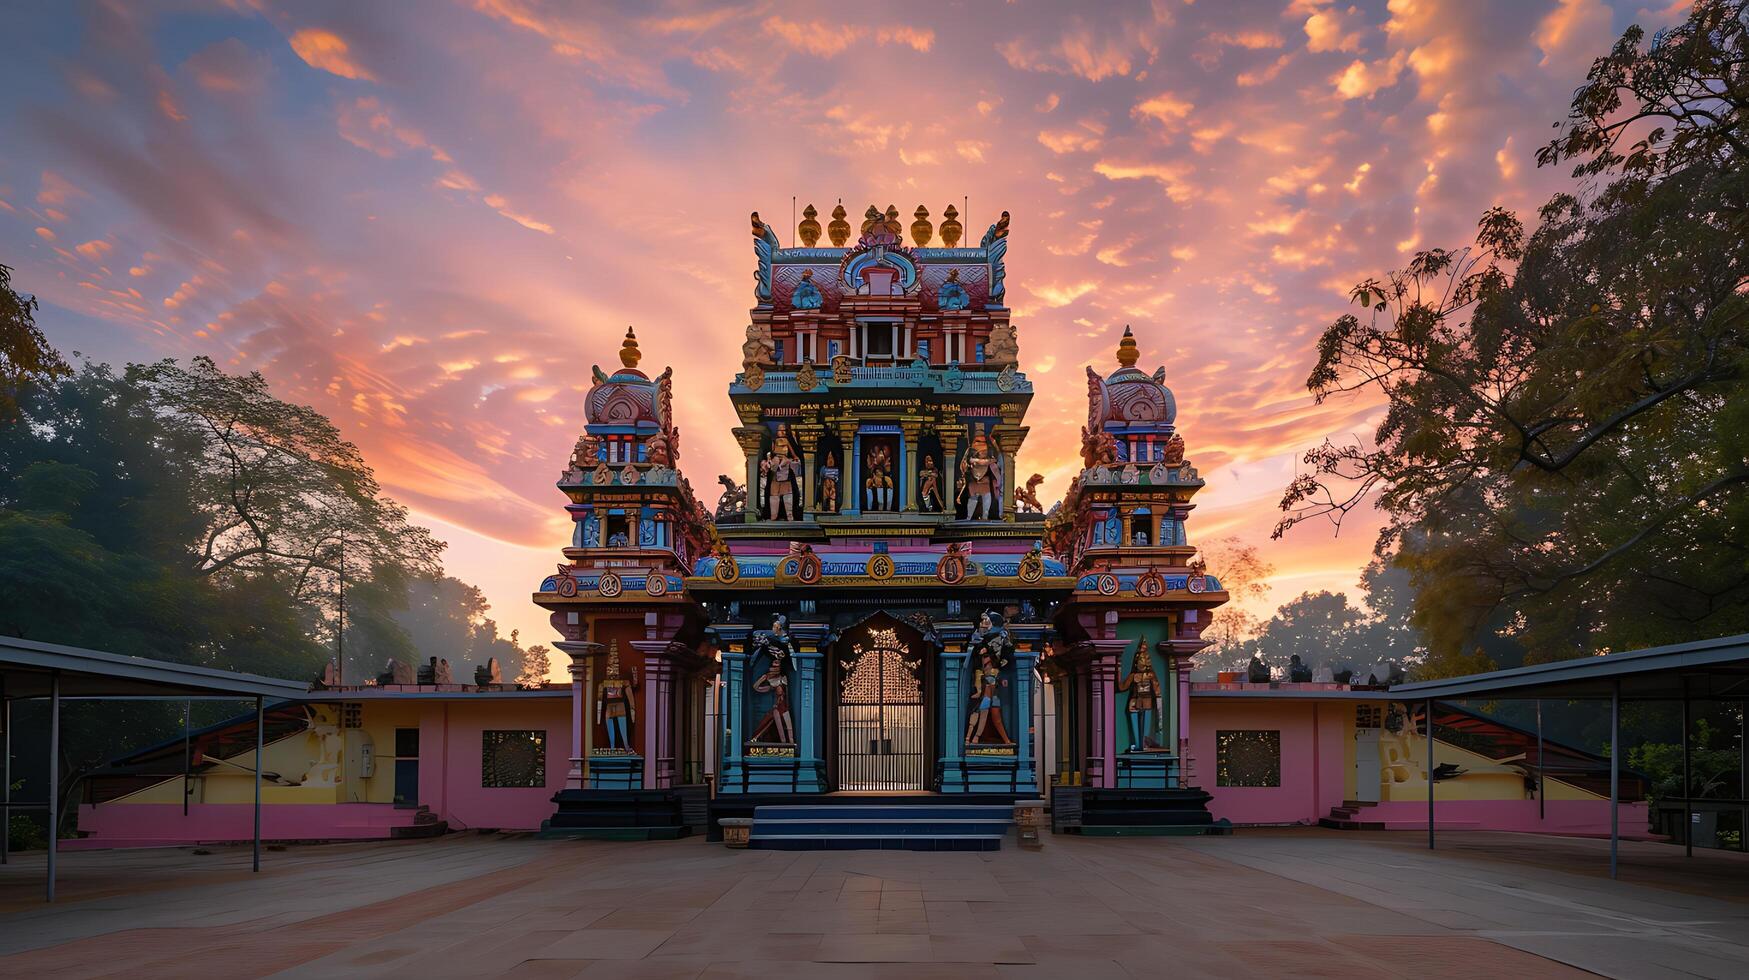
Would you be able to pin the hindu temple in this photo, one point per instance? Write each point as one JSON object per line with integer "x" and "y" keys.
{"x": 876, "y": 605}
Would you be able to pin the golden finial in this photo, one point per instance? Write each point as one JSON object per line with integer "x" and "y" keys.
{"x": 839, "y": 229}
{"x": 892, "y": 219}
{"x": 951, "y": 229}
{"x": 629, "y": 354}
{"x": 809, "y": 229}
{"x": 921, "y": 230}
{"x": 1127, "y": 353}
{"x": 870, "y": 217}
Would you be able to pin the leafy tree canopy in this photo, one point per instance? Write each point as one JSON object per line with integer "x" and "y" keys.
{"x": 1564, "y": 459}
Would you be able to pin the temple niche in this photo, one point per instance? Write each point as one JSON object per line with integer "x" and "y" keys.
{"x": 874, "y": 605}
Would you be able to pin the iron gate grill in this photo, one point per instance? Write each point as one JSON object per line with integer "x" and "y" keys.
{"x": 880, "y": 716}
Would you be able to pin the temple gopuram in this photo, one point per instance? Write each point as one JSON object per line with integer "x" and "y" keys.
{"x": 875, "y": 605}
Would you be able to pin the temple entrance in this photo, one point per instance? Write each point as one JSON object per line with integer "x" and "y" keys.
{"x": 881, "y": 732}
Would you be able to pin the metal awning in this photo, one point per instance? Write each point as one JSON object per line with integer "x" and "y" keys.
{"x": 1702, "y": 670}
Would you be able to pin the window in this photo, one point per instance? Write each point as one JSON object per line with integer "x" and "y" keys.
{"x": 1248, "y": 758}
{"x": 513, "y": 759}
{"x": 880, "y": 340}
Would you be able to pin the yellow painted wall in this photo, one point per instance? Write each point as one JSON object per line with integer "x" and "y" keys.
{"x": 1402, "y": 761}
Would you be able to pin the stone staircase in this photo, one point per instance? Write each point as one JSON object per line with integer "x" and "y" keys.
{"x": 913, "y": 827}
{"x": 1348, "y": 816}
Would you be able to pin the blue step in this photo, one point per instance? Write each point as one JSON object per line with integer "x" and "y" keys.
{"x": 956, "y": 827}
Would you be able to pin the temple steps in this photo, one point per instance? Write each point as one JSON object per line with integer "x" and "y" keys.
{"x": 910, "y": 827}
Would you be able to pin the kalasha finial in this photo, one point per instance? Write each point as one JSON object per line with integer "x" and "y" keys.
{"x": 951, "y": 229}
{"x": 892, "y": 220}
{"x": 839, "y": 229}
{"x": 809, "y": 230}
{"x": 871, "y": 217}
{"x": 921, "y": 230}
{"x": 1127, "y": 352}
{"x": 629, "y": 355}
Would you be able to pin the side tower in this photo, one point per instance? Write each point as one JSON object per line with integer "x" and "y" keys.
{"x": 619, "y": 599}
{"x": 1119, "y": 666}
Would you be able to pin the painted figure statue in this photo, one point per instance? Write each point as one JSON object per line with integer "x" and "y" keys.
{"x": 779, "y": 474}
{"x": 980, "y": 480}
{"x": 615, "y": 706}
{"x": 952, "y": 295}
{"x": 829, "y": 475}
{"x": 1144, "y": 691}
{"x": 929, "y": 486}
{"x": 877, "y": 489}
{"x": 775, "y": 681}
{"x": 990, "y": 648}
{"x": 807, "y": 295}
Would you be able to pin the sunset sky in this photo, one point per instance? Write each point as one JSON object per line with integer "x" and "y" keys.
{"x": 429, "y": 219}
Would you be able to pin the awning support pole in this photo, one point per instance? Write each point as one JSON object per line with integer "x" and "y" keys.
{"x": 54, "y": 775}
{"x": 1687, "y": 781}
{"x": 259, "y": 732}
{"x": 1430, "y": 774}
{"x": 5, "y": 774}
{"x": 1614, "y": 777}
{"x": 1542, "y": 779}
{"x": 187, "y": 760}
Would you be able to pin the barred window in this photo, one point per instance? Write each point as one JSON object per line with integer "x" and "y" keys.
{"x": 514, "y": 758}
{"x": 1247, "y": 758}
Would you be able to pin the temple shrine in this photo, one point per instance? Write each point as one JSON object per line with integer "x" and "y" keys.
{"x": 876, "y": 603}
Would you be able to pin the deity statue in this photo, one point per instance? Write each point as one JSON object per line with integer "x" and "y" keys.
{"x": 1173, "y": 452}
{"x": 1144, "y": 691}
{"x": 929, "y": 486}
{"x": 877, "y": 488}
{"x": 990, "y": 647}
{"x": 980, "y": 480}
{"x": 807, "y": 295}
{"x": 443, "y": 674}
{"x": 657, "y": 451}
{"x": 615, "y": 705}
{"x": 779, "y": 475}
{"x": 1028, "y": 496}
{"x": 952, "y": 295}
{"x": 829, "y": 475}
{"x": 734, "y": 498}
{"x": 777, "y": 645}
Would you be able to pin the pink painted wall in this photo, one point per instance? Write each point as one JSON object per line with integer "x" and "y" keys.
{"x": 160, "y": 824}
{"x": 449, "y": 761}
{"x": 1312, "y": 758}
{"x": 1579, "y": 817}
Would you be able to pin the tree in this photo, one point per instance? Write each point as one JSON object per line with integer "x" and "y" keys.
{"x": 1564, "y": 458}
{"x": 1245, "y": 575}
{"x": 537, "y": 663}
{"x": 25, "y": 354}
{"x": 428, "y": 617}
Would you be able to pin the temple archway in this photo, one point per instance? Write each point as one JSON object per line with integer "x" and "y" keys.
{"x": 879, "y": 718}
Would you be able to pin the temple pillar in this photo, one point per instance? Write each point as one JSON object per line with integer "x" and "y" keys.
{"x": 955, "y": 704}
{"x": 582, "y": 654}
{"x": 950, "y": 442}
{"x": 808, "y": 436}
{"x": 850, "y": 470}
{"x": 658, "y": 727}
{"x": 1028, "y": 645}
{"x": 907, "y": 488}
{"x": 732, "y": 708}
{"x": 751, "y": 439}
{"x": 1102, "y": 704}
{"x": 807, "y": 705}
{"x": 1008, "y": 439}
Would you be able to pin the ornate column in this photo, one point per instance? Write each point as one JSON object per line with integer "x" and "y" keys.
{"x": 582, "y": 654}
{"x": 950, "y": 442}
{"x": 1102, "y": 702}
{"x": 808, "y": 705}
{"x": 809, "y": 438}
{"x": 1008, "y": 439}
{"x": 658, "y": 725}
{"x": 907, "y": 488}
{"x": 751, "y": 439}
{"x": 1028, "y": 645}
{"x": 954, "y": 704}
{"x": 1126, "y": 518}
{"x": 849, "y": 469}
{"x": 732, "y": 710}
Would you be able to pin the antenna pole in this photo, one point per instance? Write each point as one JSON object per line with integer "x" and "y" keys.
{"x": 792, "y": 221}
{"x": 340, "y": 634}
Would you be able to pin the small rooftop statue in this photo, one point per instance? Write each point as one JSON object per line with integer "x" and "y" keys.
{"x": 1298, "y": 672}
{"x": 1257, "y": 672}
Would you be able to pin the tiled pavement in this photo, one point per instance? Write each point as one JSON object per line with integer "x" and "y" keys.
{"x": 1261, "y": 903}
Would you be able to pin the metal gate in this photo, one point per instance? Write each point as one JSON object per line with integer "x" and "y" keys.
{"x": 881, "y": 735}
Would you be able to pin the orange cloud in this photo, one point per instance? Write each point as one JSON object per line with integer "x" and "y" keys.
{"x": 329, "y": 52}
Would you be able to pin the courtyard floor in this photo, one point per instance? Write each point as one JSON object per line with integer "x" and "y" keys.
{"x": 1302, "y": 903}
